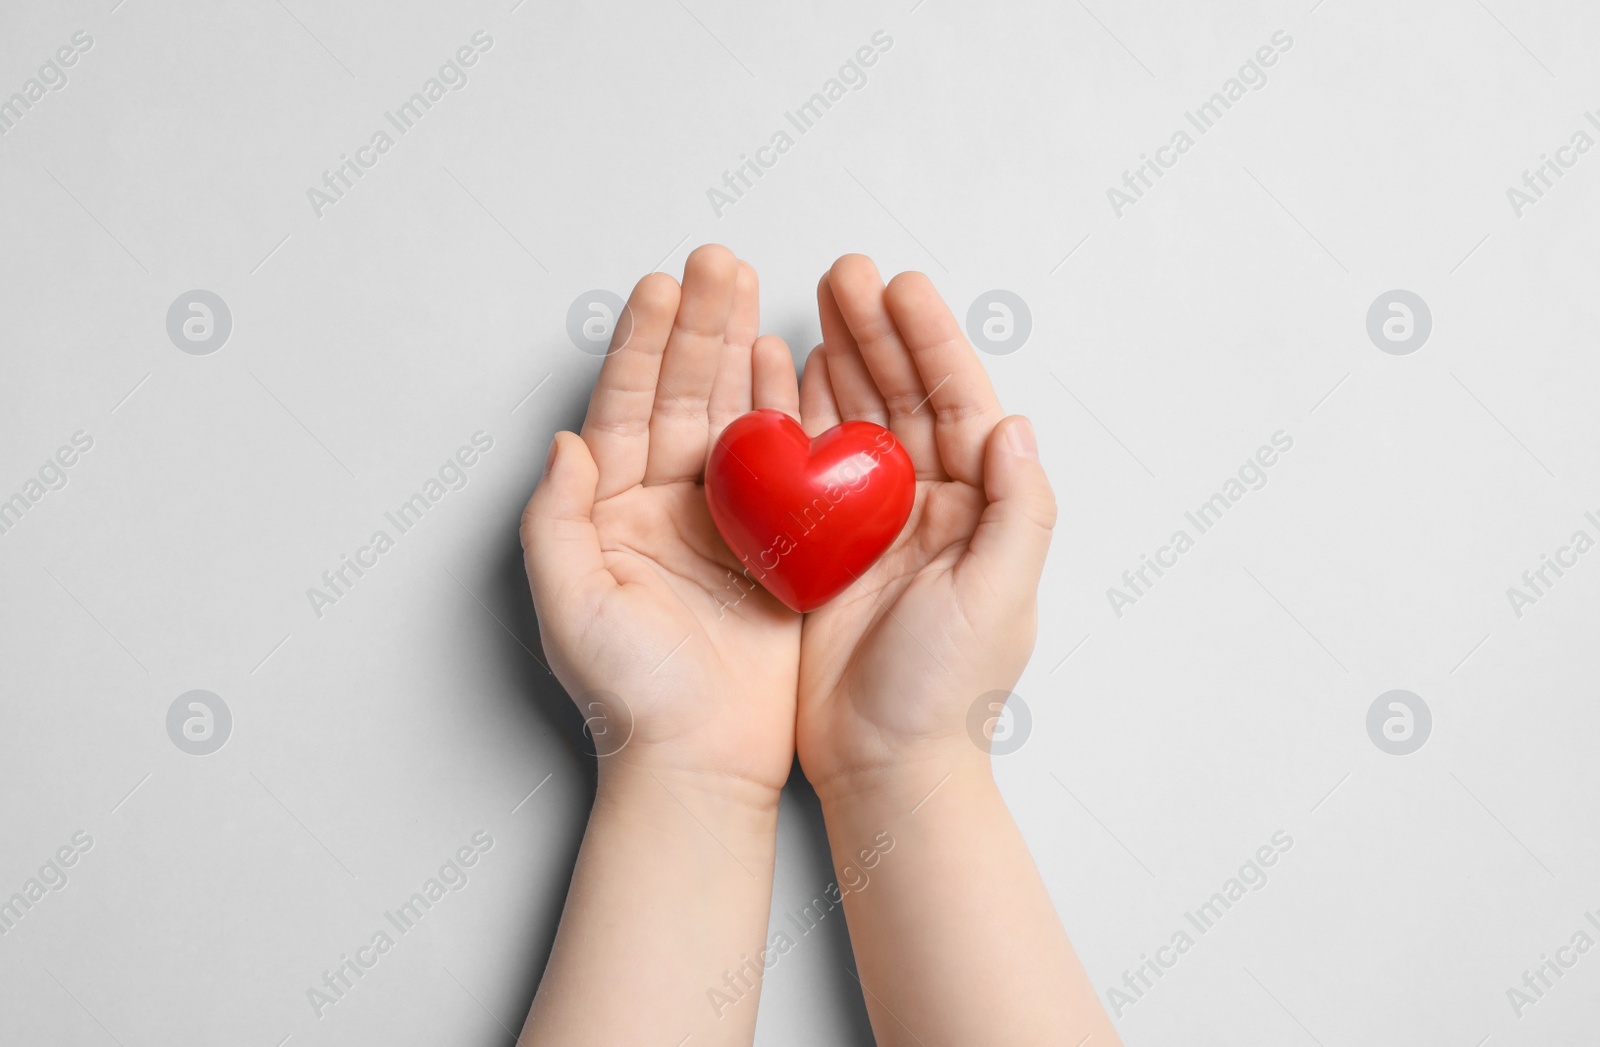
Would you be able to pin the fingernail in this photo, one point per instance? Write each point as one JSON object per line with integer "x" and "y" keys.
{"x": 550, "y": 459}
{"x": 1020, "y": 439}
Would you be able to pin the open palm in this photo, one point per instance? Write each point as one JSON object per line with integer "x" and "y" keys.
{"x": 642, "y": 611}
{"x": 947, "y": 615}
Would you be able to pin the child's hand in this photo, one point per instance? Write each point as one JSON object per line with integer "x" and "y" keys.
{"x": 889, "y": 670}
{"x": 637, "y": 596}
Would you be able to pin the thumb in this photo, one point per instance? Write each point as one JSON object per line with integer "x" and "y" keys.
{"x": 560, "y": 545}
{"x": 1008, "y": 548}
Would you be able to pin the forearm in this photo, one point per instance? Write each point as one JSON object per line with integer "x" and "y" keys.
{"x": 673, "y": 885}
{"x": 956, "y": 939}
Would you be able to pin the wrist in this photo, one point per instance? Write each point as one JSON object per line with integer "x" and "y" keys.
{"x": 902, "y": 783}
{"x": 634, "y": 783}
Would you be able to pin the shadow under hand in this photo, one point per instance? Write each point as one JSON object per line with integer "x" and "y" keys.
{"x": 816, "y": 922}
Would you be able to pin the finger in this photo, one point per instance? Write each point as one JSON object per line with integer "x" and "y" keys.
{"x": 731, "y": 392}
{"x": 617, "y": 427}
{"x": 1007, "y": 551}
{"x": 965, "y": 407}
{"x": 853, "y": 388}
{"x": 679, "y": 427}
{"x": 858, "y": 292}
{"x": 773, "y": 380}
{"x": 560, "y": 546}
{"x": 818, "y": 410}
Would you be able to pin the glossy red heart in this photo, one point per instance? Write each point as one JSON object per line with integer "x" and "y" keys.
{"x": 807, "y": 517}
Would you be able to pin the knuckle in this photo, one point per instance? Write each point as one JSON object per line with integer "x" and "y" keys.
{"x": 903, "y": 404}
{"x": 528, "y": 526}
{"x": 963, "y": 411}
{"x": 631, "y": 426}
{"x": 1039, "y": 507}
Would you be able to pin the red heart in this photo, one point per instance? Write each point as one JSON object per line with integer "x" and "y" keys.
{"x": 807, "y": 517}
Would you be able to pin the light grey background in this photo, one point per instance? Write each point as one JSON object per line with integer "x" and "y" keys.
{"x": 1167, "y": 745}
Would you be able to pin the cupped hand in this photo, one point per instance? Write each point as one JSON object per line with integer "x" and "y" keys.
{"x": 890, "y": 669}
{"x": 644, "y": 613}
